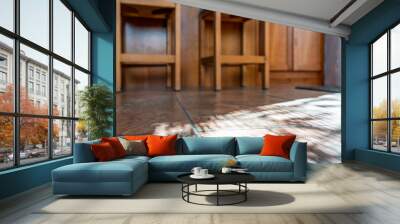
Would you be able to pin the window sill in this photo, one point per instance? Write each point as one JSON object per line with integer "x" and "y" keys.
{"x": 26, "y": 167}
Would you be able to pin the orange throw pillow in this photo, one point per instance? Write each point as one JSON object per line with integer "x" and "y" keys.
{"x": 277, "y": 145}
{"x": 103, "y": 152}
{"x": 116, "y": 145}
{"x": 136, "y": 137}
{"x": 161, "y": 145}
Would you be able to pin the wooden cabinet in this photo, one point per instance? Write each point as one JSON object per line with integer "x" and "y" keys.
{"x": 296, "y": 55}
{"x": 280, "y": 49}
{"x": 308, "y": 50}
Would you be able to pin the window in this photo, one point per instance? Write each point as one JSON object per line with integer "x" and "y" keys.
{"x": 44, "y": 91}
{"x": 6, "y": 142}
{"x": 47, "y": 75}
{"x": 3, "y": 78}
{"x": 30, "y": 87}
{"x": 81, "y": 45}
{"x": 7, "y": 14}
{"x": 3, "y": 61}
{"x": 33, "y": 140}
{"x": 81, "y": 81}
{"x": 62, "y": 137}
{"x": 37, "y": 75}
{"x": 6, "y": 73}
{"x": 61, "y": 73}
{"x": 35, "y": 21}
{"x": 37, "y": 89}
{"x": 30, "y": 72}
{"x": 62, "y": 29}
{"x": 385, "y": 91}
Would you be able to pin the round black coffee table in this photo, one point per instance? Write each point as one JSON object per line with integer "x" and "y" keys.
{"x": 238, "y": 179}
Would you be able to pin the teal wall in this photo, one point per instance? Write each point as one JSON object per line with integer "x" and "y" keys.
{"x": 99, "y": 16}
{"x": 103, "y": 47}
{"x": 24, "y": 178}
{"x": 355, "y": 96}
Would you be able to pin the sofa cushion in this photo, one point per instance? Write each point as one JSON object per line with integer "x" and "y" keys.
{"x": 161, "y": 145}
{"x": 206, "y": 145}
{"x": 116, "y": 145}
{"x": 185, "y": 163}
{"x": 134, "y": 147}
{"x": 249, "y": 145}
{"x": 103, "y": 152}
{"x": 112, "y": 171}
{"x": 275, "y": 145}
{"x": 257, "y": 163}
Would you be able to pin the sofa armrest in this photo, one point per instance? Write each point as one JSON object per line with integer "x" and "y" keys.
{"x": 298, "y": 155}
{"x": 83, "y": 152}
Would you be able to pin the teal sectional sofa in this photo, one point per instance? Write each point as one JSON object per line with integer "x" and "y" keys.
{"x": 125, "y": 176}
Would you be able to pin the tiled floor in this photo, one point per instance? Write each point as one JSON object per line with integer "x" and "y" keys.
{"x": 313, "y": 116}
{"x": 376, "y": 190}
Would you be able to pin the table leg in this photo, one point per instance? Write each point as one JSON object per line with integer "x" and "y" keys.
{"x": 245, "y": 193}
{"x": 195, "y": 188}
{"x": 217, "y": 194}
{"x": 188, "y": 189}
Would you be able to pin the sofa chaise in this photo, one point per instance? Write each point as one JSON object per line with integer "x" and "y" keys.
{"x": 125, "y": 176}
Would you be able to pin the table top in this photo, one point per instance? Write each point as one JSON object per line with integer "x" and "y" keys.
{"x": 220, "y": 178}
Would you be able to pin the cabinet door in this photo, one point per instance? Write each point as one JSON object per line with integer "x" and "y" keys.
{"x": 280, "y": 47}
{"x": 307, "y": 50}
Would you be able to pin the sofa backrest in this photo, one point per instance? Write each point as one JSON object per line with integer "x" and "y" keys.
{"x": 83, "y": 152}
{"x": 190, "y": 146}
{"x": 249, "y": 145}
{"x": 206, "y": 145}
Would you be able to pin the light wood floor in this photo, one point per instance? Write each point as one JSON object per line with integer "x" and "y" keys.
{"x": 378, "y": 189}
{"x": 313, "y": 116}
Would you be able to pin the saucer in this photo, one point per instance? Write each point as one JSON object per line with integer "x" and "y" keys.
{"x": 208, "y": 176}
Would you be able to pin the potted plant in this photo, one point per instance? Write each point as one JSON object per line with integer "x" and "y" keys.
{"x": 96, "y": 103}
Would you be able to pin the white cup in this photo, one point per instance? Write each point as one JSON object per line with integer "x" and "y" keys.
{"x": 203, "y": 172}
{"x": 226, "y": 170}
{"x": 196, "y": 171}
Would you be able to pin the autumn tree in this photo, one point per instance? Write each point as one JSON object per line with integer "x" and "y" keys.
{"x": 33, "y": 131}
{"x": 380, "y": 127}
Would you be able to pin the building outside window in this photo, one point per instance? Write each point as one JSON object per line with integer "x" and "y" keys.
{"x": 57, "y": 129}
{"x": 43, "y": 90}
{"x": 3, "y": 72}
{"x": 3, "y": 78}
{"x": 30, "y": 87}
{"x": 30, "y": 72}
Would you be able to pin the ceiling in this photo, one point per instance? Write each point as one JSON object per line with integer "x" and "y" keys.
{"x": 326, "y": 16}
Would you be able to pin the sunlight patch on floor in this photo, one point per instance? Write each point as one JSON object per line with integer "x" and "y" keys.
{"x": 315, "y": 120}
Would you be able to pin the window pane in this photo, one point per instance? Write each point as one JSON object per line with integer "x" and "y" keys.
{"x": 379, "y": 97}
{"x": 81, "y": 82}
{"x": 395, "y": 129}
{"x": 81, "y": 131}
{"x": 379, "y": 135}
{"x": 62, "y": 138}
{"x": 395, "y": 94}
{"x": 33, "y": 140}
{"x": 7, "y": 14}
{"x": 62, "y": 89}
{"x": 6, "y": 74}
{"x": 35, "y": 21}
{"x": 395, "y": 47}
{"x": 81, "y": 45}
{"x": 34, "y": 72}
{"x": 379, "y": 55}
{"x": 62, "y": 29}
{"x": 6, "y": 142}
